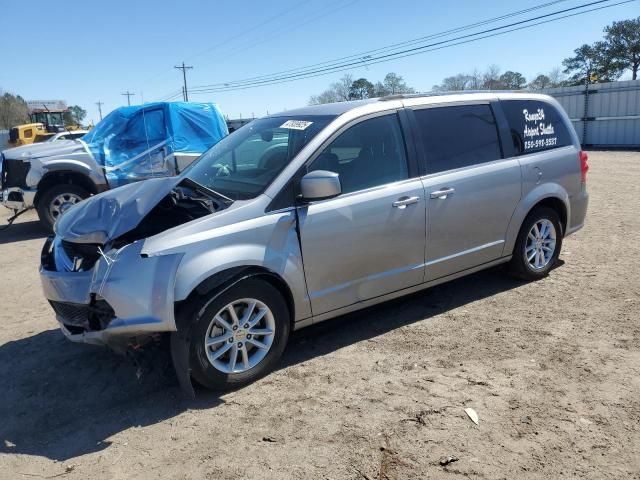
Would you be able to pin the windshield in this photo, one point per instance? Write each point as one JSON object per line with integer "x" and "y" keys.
{"x": 243, "y": 164}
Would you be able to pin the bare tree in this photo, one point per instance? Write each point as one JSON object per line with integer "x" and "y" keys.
{"x": 454, "y": 83}
{"x": 328, "y": 96}
{"x": 337, "y": 92}
{"x": 556, "y": 77}
{"x": 491, "y": 78}
{"x": 475, "y": 80}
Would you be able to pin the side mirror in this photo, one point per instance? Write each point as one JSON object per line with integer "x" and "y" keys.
{"x": 320, "y": 185}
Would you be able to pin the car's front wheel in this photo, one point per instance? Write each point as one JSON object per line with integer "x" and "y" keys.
{"x": 538, "y": 245}
{"x": 239, "y": 335}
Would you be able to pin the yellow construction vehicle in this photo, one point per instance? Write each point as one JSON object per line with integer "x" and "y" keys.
{"x": 26, "y": 133}
{"x": 46, "y": 120}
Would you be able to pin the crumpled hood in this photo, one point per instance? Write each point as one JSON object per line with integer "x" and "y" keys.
{"x": 113, "y": 213}
{"x": 39, "y": 150}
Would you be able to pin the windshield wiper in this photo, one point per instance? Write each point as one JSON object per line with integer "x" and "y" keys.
{"x": 206, "y": 190}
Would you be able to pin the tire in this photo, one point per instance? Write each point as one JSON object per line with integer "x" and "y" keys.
{"x": 54, "y": 202}
{"x": 531, "y": 258}
{"x": 215, "y": 374}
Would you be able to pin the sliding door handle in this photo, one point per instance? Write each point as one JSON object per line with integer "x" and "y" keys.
{"x": 442, "y": 194}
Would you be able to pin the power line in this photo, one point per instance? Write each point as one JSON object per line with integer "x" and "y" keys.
{"x": 246, "y": 84}
{"x": 184, "y": 76}
{"x": 128, "y": 94}
{"x": 170, "y": 95}
{"x": 233, "y": 37}
{"x": 271, "y": 35}
{"x": 363, "y": 55}
{"x": 251, "y": 29}
{"x": 99, "y": 104}
{"x": 290, "y": 26}
{"x": 370, "y": 59}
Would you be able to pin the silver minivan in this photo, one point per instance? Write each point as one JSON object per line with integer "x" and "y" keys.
{"x": 306, "y": 215}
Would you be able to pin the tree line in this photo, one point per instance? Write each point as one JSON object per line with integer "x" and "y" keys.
{"x": 349, "y": 89}
{"x": 603, "y": 61}
{"x": 13, "y": 110}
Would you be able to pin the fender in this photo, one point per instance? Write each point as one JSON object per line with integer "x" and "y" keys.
{"x": 76, "y": 166}
{"x": 526, "y": 204}
{"x": 269, "y": 242}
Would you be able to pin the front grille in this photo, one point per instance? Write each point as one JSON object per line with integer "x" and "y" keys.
{"x": 95, "y": 316}
{"x": 85, "y": 253}
{"x": 14, "y": 173}
{"x": 72, "y": 314}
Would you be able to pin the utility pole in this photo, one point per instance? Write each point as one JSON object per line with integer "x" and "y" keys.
{"x": 99, "y": 104}
{"x": 184, "y": 69}
{"x": 128, "y": 94}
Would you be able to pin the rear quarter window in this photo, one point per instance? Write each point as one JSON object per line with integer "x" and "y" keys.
{"x": 535, "y": 126}
{"x": 458, "y": 136}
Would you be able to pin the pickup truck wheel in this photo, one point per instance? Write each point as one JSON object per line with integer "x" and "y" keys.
{"x": 57, "y": 200}
{"x": 239, "y": 335}
{"x": 538, "y": 245}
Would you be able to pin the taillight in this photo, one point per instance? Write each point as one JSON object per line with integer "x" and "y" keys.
{"x": 584, "y": 166}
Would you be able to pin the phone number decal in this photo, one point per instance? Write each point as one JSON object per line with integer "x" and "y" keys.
{"x": 540, "y": 143}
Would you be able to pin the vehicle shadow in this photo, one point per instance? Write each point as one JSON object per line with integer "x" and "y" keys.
{"x": 19, "y": 231}
{"x": 60, "y": 400}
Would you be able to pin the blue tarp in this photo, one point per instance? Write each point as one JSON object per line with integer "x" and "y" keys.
{"x": 132, "y": 143}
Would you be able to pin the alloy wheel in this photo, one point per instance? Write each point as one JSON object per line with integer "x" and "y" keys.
{"x": 240, "y": 336}
{"x": 541, "y": 244}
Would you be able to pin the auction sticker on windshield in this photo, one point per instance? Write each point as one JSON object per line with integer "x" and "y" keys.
{"x": 296, "y": 124}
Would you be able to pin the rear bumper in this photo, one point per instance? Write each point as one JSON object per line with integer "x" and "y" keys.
{"x": 123, "y": 296}
{"x": 579, "y": 205}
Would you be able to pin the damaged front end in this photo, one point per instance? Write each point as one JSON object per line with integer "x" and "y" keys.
{"x": 101, "y": 286}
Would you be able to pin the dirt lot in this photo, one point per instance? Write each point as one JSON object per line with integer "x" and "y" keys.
{"x": 552, "y": 368}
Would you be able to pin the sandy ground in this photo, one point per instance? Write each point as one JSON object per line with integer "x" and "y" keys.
{"x": 552, "y": 369}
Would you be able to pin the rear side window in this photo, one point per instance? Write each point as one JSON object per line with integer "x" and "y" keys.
{"x": 458, "y": 136}
{"x": 535, "y": 126}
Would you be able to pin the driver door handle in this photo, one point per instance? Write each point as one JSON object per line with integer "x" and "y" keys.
{"x": 402, "y": 202}
{"x": 442, "y": 194}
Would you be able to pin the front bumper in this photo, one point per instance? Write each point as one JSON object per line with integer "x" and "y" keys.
{"x": 123, "y": 295}
{"x": 16, "y": 198}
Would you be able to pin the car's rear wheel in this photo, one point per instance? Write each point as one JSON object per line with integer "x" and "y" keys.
{"x": 538, "y": 245}
{"x": 57, "y": 200}
{"x": 239, "y": 335}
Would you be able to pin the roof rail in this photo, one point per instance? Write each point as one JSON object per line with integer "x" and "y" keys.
{"x": 400, "y": 96}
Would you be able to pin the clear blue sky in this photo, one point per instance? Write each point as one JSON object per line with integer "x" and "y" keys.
{"x": 83, "y": 52}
